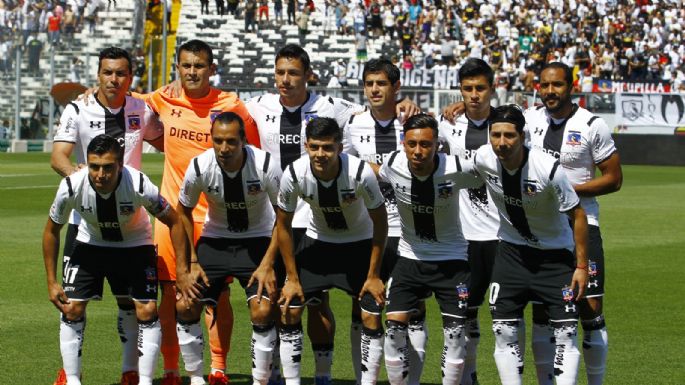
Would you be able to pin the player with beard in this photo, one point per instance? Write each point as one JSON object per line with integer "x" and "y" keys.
{"x": 582, "y": 143}
{"x": 477, "y": 212}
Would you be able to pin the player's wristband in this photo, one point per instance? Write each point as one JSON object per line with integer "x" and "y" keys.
{"x": 581, "y": 267}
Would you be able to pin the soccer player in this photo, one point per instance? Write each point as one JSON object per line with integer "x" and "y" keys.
{"x": 372, "y": 136}
{"x": 187, "y": 121}
{"x": 282, "y": 119}
{"x": 114, "y": 241}
{"x": 477, "y": 212}
{"x": 128, "y": 120}
{"x": 581, "y": 142}
{"x": 240, "y": 183}
{"x": 342, "y": 247}
{"x": 432, "y": 249}
{"x": 535, "y": 258}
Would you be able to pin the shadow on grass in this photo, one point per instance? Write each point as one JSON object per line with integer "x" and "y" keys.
{"x": 239, "y": 379}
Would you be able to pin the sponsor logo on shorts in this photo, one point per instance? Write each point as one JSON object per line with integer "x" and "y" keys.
{"x": 567, "y": 294}
{"x": 69, "y": 288}
{"x": 592, "y": 269}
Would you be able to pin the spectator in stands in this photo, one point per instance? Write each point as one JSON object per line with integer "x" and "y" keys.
{"x": 35, "y": 46}
{"x": 376, "y": 22}
{"x": 220, "y": 9}
{"x": 263, "y": 10}
{"x": 303, "y": 24}
{"x": 204, "y": 7}
{"x": 362, "y": 45}
{"x": 75, "y": 70}
{"x": 5, "y": 130}
{"x": 291, "y": 9}
{"x": 54, "y": 29}
{"x": 69, "y": 26}
{"x": 91, "y": 14}
{"x": 232, "y": 7}
{"x": 250, "y": 15}
{"x": 339, "y": 78}
{"x": 6, "y": 54}
{"x": 278, "y": 11}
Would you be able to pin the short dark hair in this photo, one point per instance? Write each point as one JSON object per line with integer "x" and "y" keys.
{"x": 103, "y": 144}
{"x": 568, "y": 72}
{"x": 115, "y": 53}
{"x": 476, "y": 67}
{"x": 509, "y": 113}
{"x": 294, "y": 51}
{"x": 228, "y": 118}
{"x": 421, "y": 121}
{"x": 382, "y": 65}
{"x": 196, "y": 46}
{"x": 320, "y": 128}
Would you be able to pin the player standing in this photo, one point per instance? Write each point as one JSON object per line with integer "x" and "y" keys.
{"x": 187, "y": 120}
{"x": 107, "y": 111}
{"x": 535, "y": 258}
{"x": 432, "y": 249}
{"x": 114, "y": 241}
{"x": 477, "y": 212}
{"x": 372, "y": 136}
{"x": 240, "y": 183}
{"x": 581, "y": 142}
{"x": 342, "y": 247}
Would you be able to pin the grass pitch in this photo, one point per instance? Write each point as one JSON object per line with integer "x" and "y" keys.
{"x": 643, "y": 227}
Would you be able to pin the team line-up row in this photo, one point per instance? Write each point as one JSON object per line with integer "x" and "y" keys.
{"x": 294, "y": 194}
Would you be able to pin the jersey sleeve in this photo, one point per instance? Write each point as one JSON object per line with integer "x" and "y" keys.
{"x": 288, "y": 190}
{"x": 272, "y": 180}
{"x": 371, "y": 192}
{"x": 63, "y": 203}
{"x": 344, "y": 110}
{"x": 603, "y": 145}
{"x": 384, "y": 172}
{"x": 251, "y": 131}
{"x": 191, "y": 187}
{"x": 67, "y": 131}
{"x": 443, "y": 128}
{"x": 153, "y": 126}
{"x": 348, "y": 147}
{"x": 150, "y": 198}
{"x": 563, "y": 189}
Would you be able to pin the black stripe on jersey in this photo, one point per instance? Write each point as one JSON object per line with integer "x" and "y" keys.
{"x": 511, "y": 186}
{"x": 554, "y": 170}
{"x": 385, "y": 138}
{"x": 456, "y": 160}
{"x": 196, "y": 165}
{"x": 554, "y": 137}
{"x": 108, "y": 219}
{"x": 71, "y": 189}
{"x": 234, "y": 199}
{"x": 75, "y": 107}
{"x": 392, "y": 158}
{"x": 359, "y": 171}
{"x": 592, "y": 120}
{"x": 476, "y": 136}
{"x": 292, "y": 173}
{"x": 265, "y": 167}
{"x": 141, "y": 183}
{"x": 422, "y": 206}
{"x": 291, "y": 128}
{"x": 329, "y": 203}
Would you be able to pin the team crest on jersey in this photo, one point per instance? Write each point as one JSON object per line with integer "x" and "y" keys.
{"x": 134, "y": 122}
{"x": 531, "y": 187}
{"x": 214, "y": 114}
{"x": 573, "y": 138}
{"x": 309, "y": 116}
{"x": 126, "y": 208}
{"x": 463, "y": 292}
{"x": 567, "y": 293}
{"x": 445, "y": 190}
{"x": 151, "y": 274}
{"x": 254, "y": 187}
{"x": 592, "y": 269}
{"x": 348, "y": 196}
{"x": 402, "y": 137}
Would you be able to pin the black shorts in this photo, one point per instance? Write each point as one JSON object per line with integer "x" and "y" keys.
{"x": 323, "y": 265}
{"x": 523, "y": 274}
{"x": 221, "y": 258}
{"x": 69, "y": 242}
{"x": 390, "y": 257}
{"x": 411, "y": 279}
{"x": 481, "y": 261}
{"x": 130, "y": 271}
{"x": 595, "y": 284}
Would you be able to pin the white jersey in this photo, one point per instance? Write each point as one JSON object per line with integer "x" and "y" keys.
{"x": 282, "y": 132}
{"x": 132, "y": 124}
{"x": 531, "y": 201}
{"x": 113, "y": 220}
{"x": 580, "y": 143}
{"x": 339, "y": 207}
{"x": 429, "y": 207}
{"x": 477, "y": 211}
{"x": 369, "y": 140}
{"x": 240, "y": 204}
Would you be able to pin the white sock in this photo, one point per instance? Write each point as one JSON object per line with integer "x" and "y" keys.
{"x": 263, "y": 342}
{"x": 472, "y": 335}
{"x": 595, "y": 349}
{"x": 127, "y": 325}
{"x": 508, "y": 356}
{"x": 150, "y": 338}
{"x": 70, "y": 345}
{"x": 543, "y": 352}
{"x": 291, "y": 352}
{"x": 191, "y": 342}
{"x": 371, "y": 346}
{"x": 323, "y": 360}
{"x": 453, "y": 352}
{"x": 276, "y": 362}
{"x": 355, "y": 347}
{"x": 396, "y": 354}
{"x": 567, "y": 357}
{"x": 418, "y": 338}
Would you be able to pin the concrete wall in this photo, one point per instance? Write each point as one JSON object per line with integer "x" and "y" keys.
{"x": 651, "y": 149}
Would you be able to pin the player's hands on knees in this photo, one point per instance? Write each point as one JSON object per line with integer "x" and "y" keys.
{"x": 579, "y": 282}
{"x": 375, "y": 287}
{"x": 453, "y": 110}
{"x": 265, "y": 277}
{"x": 57, "y": 296}
{"x": 190, "y": 284}
{"x": 406, "y": 108}
{"x": 291, "y": 290}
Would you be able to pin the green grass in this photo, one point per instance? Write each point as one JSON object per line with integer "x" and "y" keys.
{"x": 644, "y": 237}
